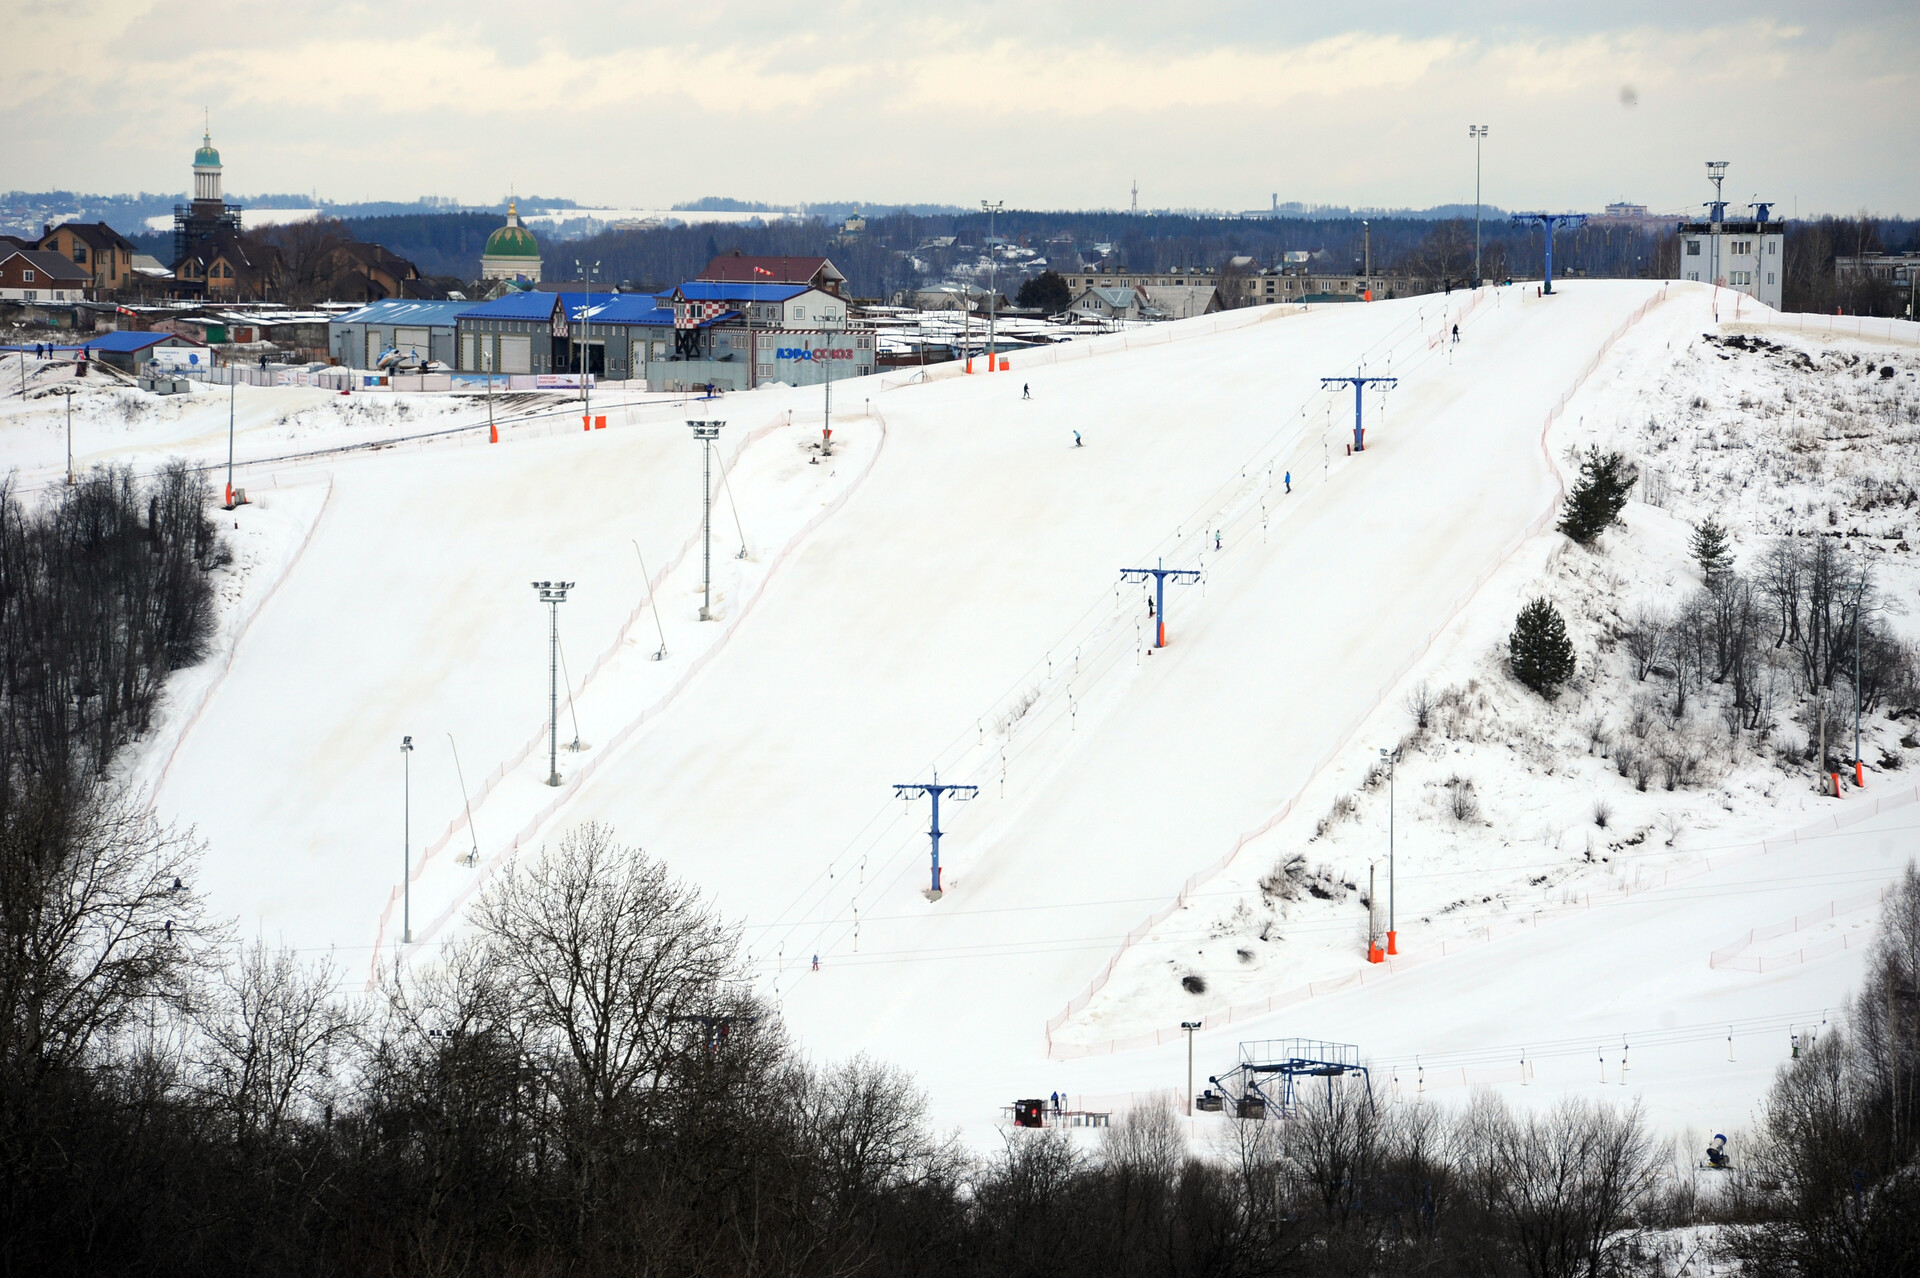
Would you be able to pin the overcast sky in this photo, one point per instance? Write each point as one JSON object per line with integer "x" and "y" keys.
{"x": 1062, "y": 104}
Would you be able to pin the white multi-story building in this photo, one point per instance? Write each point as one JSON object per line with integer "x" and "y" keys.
{"x": 1746, "y": 255}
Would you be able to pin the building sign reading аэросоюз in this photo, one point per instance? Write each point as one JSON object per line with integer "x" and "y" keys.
{"x": 801, "y": 352}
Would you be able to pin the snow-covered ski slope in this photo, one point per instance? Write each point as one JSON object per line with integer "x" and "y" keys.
{"x": 941, "y": 593}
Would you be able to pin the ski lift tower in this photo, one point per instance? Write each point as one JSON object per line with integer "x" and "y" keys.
{"x": 934, "y": 789}
{"x": 1359, "y": 383}
{"x": 1549, "y": 221}
{"x": 1716, "y": 214}
{"x": 1268, "y": 1077}
{"x": 1160, "y": 572}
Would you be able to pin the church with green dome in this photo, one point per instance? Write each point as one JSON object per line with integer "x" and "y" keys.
{"x": 511, "y": 253}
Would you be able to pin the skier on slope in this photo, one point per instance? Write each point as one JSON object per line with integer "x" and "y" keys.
{"x": 1287, "y": 479}
{"x": 1025, "y": 393}
{"x": 1456, "y": 333}
{"x": 1077, "y": 441}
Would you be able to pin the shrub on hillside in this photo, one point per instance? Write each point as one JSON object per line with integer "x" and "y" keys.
{"x": 1539, "y": 650}
{"x": 1598, "y": 496}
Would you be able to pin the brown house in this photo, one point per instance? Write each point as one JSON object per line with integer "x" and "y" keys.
{"x": 229, "y": 268}
{"x": 104, "y": 253}
{"x": 29, "y": 275}
{"x": 733, "y": 268}
{"x": 369, "y": 273}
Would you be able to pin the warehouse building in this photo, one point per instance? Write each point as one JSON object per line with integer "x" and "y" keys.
{"x": 357, "y": 339}
{"x": 130, "y": 351}
{"x": 613, "y": 335}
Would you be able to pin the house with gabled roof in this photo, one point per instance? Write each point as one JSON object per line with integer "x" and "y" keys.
{"x": 105, "y": 254}
{"x": 736, "y": 268}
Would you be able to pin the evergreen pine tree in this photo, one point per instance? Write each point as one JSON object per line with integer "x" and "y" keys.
{"x": 1597, "y": 497}
{"x": 1712, "y": 548}
{"x": 1539, "y": 649}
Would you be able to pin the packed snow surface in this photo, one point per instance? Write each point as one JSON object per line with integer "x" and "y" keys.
{"x": 943, "y": 592}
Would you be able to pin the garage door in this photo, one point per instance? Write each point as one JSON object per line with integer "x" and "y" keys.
{"x": 414, "y": 343}
{"x": 374, "y": 346}
{"x": 516, "y": 354}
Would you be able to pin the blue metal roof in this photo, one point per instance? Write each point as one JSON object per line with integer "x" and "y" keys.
{"x": 622, "y": 308}
{"x": 126, "y": 341}
{"x": 519, "y": 306}
{"x": 708, "y": 291}
{"x": 432, "y": 314}
{"x": 608, "y": 308}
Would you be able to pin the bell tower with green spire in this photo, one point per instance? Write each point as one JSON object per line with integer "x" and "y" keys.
{"x": 209, "y": 213}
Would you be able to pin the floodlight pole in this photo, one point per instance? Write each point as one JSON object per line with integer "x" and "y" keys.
{"x": 1160, "y": 572}
{"x": 233, "y": 376}
{"x": 406, "y": 841}
{"x": 706, "y": 433}
{"x": 1549, "y": 221}
{"x": 1390, "y": 758}
{"x": 553, "y": 594}
{"x": 586, "y": 347}
{"x": 69, "y": 392}
{"x": 1477, "y": 132}
{"x": 934, "y": 789}
{"x": 1859, "y": 593}
{"x": 1359, "y": 383}
{"x": 992, "y": 287}
{"x": 1189, "y": 1027}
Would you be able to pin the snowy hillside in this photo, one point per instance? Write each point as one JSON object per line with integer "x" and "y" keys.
{"x": 943, "y": 592}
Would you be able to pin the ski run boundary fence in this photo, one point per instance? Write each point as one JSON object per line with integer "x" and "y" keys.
{"x": 1536, "y": 526}
{"x": 582, "y": 774}
{"x": 1730, "y": 956}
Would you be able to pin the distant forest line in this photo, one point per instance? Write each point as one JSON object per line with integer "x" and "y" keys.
{"x": 881, "y": 262}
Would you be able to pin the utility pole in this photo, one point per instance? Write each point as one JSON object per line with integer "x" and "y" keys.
{"x": 1366, "y": 261}
{"x": 1359, "y": 383}
{"x": 1189, "y": 1027}
{"x": 706, "y": 433}
{"x": 406, "y": 841}
{"x": 1477, "y": 132}
{"x": 993, "y": 359}
{"x": 934, "y": 789}
{"x": 1160, "y": 572}
{"x": 1549, "y": 220}
{"x": 1390, "y": 758}
{"x": 553, "y": 594}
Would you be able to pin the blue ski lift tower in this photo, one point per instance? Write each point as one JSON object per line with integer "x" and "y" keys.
{"x": 1550, "y": 221}
{"x": 934, "y": 789}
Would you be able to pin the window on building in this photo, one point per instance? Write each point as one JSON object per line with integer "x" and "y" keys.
{"x": 79, "y": 251}
{"x": 1774, "y": 247}
{"x": 1693, "y": 248}
{"x": 1769, "y": 277}
{"x": 27, "y": 277}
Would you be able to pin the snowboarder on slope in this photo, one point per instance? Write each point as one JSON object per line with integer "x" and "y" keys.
{"x": 1076, "y": 440}
{"x": 1216, "y": 539}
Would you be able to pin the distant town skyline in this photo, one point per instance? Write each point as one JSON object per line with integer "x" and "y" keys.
{"x": 1057, "y": 107}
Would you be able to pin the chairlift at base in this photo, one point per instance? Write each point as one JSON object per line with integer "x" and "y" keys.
{"x": 1268, "y": 1080}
